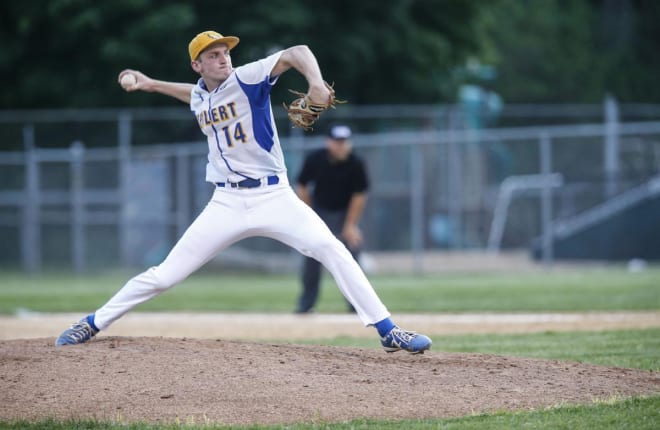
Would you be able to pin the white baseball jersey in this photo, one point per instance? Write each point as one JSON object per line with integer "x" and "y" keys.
{"x": 237, "y": 119}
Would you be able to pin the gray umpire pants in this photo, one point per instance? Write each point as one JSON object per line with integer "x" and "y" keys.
{"x": 311, "y": 272}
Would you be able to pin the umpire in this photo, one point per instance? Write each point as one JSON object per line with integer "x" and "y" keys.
{"x": 334, "y": 182}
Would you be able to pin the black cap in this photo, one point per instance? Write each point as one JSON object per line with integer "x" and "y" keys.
{"x": 339, "y": 131}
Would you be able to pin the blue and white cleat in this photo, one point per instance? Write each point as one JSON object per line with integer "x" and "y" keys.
{"x": 79, "y": 332}
{"x": 398, "y": 339}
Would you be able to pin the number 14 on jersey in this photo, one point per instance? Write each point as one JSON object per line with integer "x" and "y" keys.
{"x": 237, "y": 135}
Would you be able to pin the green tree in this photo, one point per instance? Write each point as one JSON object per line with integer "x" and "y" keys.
{"x": 541, "y": 49}
{"x": 572, "y": 51}
{"x": 629, "y": 35}
{"x": 67, "y": 53}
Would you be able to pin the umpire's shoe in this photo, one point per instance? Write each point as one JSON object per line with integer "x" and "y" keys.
{"x": 398, "y": 339}
{"x": 79, "y": 332}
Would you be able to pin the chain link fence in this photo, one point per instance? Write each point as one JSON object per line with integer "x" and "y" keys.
{"x": 89, "y": 189}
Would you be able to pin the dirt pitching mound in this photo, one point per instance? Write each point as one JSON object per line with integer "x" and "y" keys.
{"x": 209, "y": 381}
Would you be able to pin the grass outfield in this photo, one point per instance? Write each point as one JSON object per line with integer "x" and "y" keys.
{"x": 594, "y": 290}
{"x": 639, "y": 349}
{"x": 637, "y": 414}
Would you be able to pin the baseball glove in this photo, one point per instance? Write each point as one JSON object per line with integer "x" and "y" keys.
{"x": 304, "y": 113}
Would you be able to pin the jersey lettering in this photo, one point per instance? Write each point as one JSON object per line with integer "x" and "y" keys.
{"x": 217, "y": 115}
{"x": 223, "y": 113}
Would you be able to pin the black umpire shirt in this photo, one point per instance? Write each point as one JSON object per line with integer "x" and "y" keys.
{"x": 334, "y": 181}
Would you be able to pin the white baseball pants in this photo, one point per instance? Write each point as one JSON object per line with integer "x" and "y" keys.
{"x": 234, "y": 214}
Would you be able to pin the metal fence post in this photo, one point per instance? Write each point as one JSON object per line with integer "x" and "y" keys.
{"x": 78, "y": 221}
{"x": 454, "y": 182}
{"x": 545, "y": 152}
{"x": 124, "y": 147}
{"x": 31, "y": 228}
{"x": 611, "y": 158}
{"x": 182, "y": 191}
{"x": 417, "y": 206}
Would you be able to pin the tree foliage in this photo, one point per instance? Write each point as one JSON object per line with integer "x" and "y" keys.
{"x": 572, "y": 50}
{"x": 67, "y": 53}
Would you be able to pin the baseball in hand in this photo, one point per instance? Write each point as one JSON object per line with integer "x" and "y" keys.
{"x": 128, "y": 80}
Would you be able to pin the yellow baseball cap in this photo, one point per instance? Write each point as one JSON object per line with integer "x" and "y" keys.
{"x": 206, "y": 38}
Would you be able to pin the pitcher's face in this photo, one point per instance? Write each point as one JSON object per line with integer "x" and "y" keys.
{"x": 214, "y": 65}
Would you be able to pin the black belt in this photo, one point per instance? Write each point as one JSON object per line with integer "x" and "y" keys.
{"x": 249, "y": 183}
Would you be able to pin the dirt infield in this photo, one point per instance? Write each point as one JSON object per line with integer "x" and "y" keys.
{"x": 174, "y": 378}
{"x": 205, "y": 380}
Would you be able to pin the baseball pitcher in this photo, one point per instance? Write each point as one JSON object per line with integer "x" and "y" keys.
{"x": 252, "y": 195}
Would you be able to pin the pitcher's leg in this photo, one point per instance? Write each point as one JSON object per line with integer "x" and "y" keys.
{"x": 213, "y": 230}
{"x": 355, "y": 253}
{"x": 302, "y": 229}
{"x": 350, "y": 279}
{"x": 137, "y": 290}
{"x": 353, "y": 284}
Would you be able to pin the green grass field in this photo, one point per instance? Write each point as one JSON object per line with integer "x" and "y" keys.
{"x": 605, "y": 289}
{"x": 593, "y": 290}
{"x": 639, "y": 349}
{"x": 633, "y": 414}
